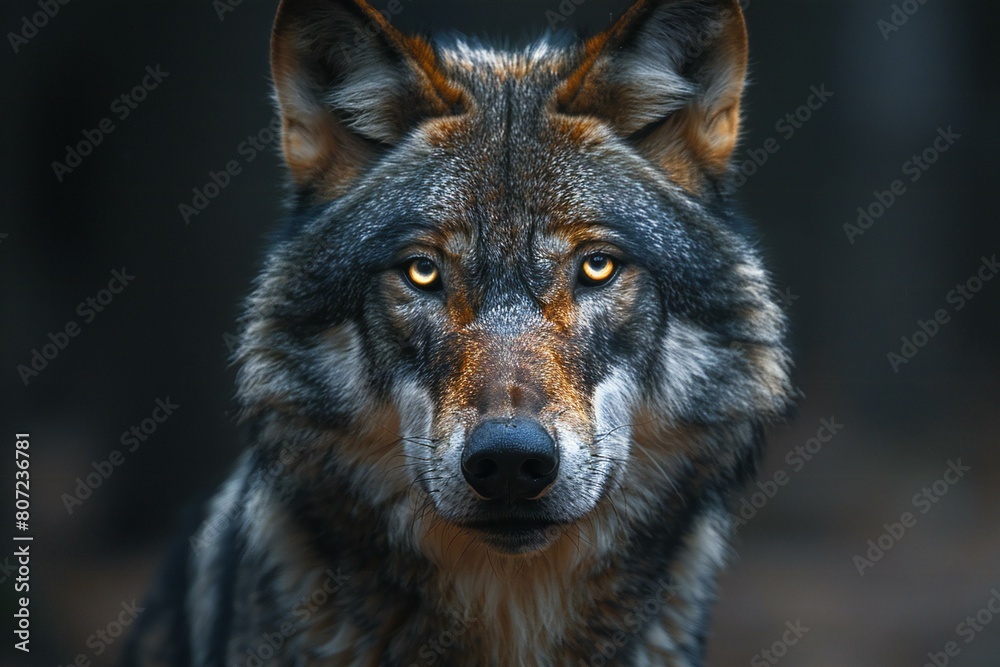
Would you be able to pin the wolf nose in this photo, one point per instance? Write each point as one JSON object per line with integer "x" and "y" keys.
{"x": 514, "y": 457}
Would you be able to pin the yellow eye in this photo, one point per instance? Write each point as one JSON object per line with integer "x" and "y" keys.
{"x": 423, "y": 273}
{"x": 597, "y": 270}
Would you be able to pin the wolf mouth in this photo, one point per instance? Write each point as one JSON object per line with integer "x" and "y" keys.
{"x": 510, "y": 525}
{"x": 514, "y": 534}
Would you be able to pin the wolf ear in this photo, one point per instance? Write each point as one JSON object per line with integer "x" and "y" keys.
{"x": 348, "y": 85}
{"x": 669, "y": 76}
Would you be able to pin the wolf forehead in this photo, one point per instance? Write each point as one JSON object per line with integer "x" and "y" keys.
{"x": 508, "y": 155}
{"x": 506, "y": 171}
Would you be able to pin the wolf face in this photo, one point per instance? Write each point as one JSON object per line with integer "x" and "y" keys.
{"x": 511, "y": 303}
{"x": 507, "y": 363}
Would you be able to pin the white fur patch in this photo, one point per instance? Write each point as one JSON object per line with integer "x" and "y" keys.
{"x": 687, "y": 355}
{"x": 539, "y": 57}
{"x": 368, "y": 95}
{"x": 343, "y": 362}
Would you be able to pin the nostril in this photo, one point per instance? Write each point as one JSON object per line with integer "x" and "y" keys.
{"x": 538, "y": 468}
{"x": 484, "y": 468}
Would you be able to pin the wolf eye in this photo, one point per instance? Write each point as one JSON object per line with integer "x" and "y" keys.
{"x": 597, "y": 269}
{"x": 423, "y": 273}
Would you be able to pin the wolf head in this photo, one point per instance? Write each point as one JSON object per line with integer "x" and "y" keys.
{"x": 511, "y": 299}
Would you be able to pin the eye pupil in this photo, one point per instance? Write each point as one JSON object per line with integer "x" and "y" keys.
{"x": 423, "y": 273}
{"x": 597, "y": 269}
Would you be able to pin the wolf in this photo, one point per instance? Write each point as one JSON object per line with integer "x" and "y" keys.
{"x": 508, "y": 360}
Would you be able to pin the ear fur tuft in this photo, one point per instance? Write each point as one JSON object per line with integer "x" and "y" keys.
{"x": 669, "y": 76}
{"x": 347, "y": 85}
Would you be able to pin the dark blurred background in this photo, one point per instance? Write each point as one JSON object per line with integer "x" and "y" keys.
{"x": 165, "y": 336}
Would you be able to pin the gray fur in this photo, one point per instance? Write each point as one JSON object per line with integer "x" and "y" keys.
{"x": 361, "y": 390}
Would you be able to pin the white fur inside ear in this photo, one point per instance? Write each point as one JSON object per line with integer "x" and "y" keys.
{"x": 650, "y": 71}
{"x": 368, "y": 95}
{"x": 684, "y": 54}
{"x": 654, "y": 93}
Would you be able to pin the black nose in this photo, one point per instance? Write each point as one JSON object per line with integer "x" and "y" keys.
{"x": 510, "y": 457}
